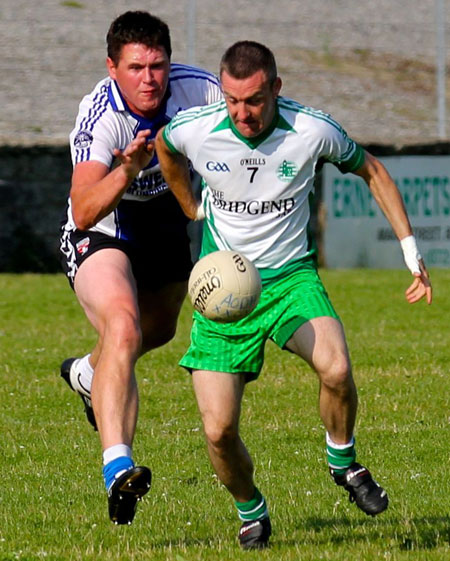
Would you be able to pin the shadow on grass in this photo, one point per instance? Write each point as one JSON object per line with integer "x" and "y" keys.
{"x": 424, "y": 533}
{"x": 409, "y": 534}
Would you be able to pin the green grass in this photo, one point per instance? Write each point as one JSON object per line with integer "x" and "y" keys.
{"x": 52, "y": 501}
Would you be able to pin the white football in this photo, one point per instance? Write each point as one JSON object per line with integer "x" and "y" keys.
{"x": 224, "y": 286}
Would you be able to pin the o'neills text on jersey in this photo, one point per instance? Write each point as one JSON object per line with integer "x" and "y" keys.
{"x": 253, "y": 162}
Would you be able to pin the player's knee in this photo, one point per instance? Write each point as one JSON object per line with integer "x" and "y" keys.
{"x": 221, "y": 436}
{"x": 124, "y": 333}
{"x": 337, "y": 376}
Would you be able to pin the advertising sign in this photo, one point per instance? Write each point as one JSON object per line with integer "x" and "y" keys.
{"x": 356, "y": 233}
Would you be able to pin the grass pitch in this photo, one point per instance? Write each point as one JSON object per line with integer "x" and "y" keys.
{"x": 52, "y": 501}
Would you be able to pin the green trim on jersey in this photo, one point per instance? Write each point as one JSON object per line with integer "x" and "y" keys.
{"x": 208, "y": 242}
{"x": 223, "y": 125}
{"x": 278, "y": 122}
{"x": 196, "y": 113}
{"x": 349, "y": 161}
{"x": 291, "y": 105}
{"x": 354, "y": 162}
{"x": 190, "y": 115}
{"x": 170, "y": 146}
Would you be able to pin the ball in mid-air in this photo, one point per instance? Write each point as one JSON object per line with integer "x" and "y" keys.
{"x": 224, "y": 286}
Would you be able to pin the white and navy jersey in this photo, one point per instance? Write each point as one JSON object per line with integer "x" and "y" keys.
{"x": 105, "y": 122}
{"x": 256, "y": 190}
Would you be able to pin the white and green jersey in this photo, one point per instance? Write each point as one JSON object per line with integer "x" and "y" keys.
{"x": 256, "y": 190}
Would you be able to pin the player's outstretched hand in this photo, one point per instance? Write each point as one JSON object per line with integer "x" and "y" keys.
{"x": 420, "y": 287}
{"x": 137, "y": 154}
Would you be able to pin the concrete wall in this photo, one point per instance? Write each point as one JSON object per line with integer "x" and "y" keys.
{"x": 34, "y": 184}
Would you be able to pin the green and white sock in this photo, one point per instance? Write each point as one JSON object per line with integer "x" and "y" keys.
{"x": 340, "y": 456}
{"x": 255, "y": 509}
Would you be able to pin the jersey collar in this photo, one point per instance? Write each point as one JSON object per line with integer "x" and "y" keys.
{"x": 278, "y": 122}
{"x": 119, "y": 104}
{"x": 115, "y": 97}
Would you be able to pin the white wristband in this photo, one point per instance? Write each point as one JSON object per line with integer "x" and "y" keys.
{"x": 411, "y": 253}
{"x": 200, "y": 213}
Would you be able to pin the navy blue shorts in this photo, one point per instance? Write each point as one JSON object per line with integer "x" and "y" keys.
{"x": 159, "y": 251}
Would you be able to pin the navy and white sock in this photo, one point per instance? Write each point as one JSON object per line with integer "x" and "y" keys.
{"x": 116, "y": 460}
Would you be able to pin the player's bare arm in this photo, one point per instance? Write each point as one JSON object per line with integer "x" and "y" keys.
{"x": 386, "y": 195}
{"x": 389, "y": 199}
{"x": 96, "y": 190}
{"x": 175, "y": 170}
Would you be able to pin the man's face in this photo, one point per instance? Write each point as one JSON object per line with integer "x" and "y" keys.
{"x": 250, "y": 101}
{"x": 142, "y": 74}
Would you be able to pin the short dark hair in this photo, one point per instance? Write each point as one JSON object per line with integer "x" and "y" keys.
{"x": 244, "y": 58}
{"x": 137, "y": 27}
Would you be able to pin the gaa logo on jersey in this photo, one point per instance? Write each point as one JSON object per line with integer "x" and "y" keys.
{"x": 287, "y": 171}
{"x": 217, "y": 166}
{"x": 83, "y": 139}
{"x": 83, "y": 246}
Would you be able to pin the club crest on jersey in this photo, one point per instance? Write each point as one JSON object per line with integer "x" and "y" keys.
{"x": 83, "y": 139}
{"x": 287, "y": 171}
{"x": 83, "y": 246}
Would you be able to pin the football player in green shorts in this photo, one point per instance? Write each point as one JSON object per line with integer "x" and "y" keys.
{"x": 258, "y": 153}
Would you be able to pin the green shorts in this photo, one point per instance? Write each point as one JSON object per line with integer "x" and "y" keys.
{"x": 239, "y": 347}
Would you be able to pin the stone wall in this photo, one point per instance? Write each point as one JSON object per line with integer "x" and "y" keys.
{"x": 34, "y": 183}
